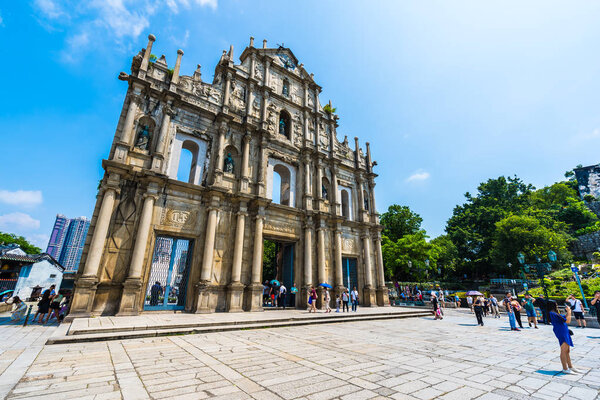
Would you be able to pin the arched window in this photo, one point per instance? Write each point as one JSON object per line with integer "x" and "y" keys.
{"x": 325, "y": 189}
{"x": 345, "y": 204}
{"x": 188, "y": 160}
{"x": 284, "y": 123}
{"x": 285, "y": 89}
{"x": 281, "y": 185}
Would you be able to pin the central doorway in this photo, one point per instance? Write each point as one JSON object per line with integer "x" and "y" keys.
{"x": 278, "y": 264}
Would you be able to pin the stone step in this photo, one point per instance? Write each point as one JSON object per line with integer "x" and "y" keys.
{"x": 310, "y": 317}
{"x": 221, "y": 327}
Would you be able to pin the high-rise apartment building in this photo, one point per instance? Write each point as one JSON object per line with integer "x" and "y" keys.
{"x": 67, "y": 240}
{"x": 61, "y": 225}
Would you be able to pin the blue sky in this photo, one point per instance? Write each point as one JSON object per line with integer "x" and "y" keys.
{"x": 448, "y": 93}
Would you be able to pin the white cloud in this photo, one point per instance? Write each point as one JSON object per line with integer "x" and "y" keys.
{"x": 21, "y": 197}
{"x": 18, "y": 221}
{"x": 418, "y": 176}
{"x": 40, "y": 240}
{"x": 112, "y": 20}
{"x": 75, "y": 44}
{"x": 50, "y": 9}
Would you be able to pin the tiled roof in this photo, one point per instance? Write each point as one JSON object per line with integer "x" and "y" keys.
{"x": 16, "y": 257}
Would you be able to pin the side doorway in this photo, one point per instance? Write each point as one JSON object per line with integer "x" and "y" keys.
{"x": 167, "y": 284}
{"x": 349, "y": 272}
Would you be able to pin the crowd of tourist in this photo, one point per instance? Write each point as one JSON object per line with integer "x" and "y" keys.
{"x": 52, "y": 305}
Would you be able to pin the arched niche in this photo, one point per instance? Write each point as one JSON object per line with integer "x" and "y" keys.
{"x": 285, "y": 124}
{"x": 144, "y": 132}
{"x": 325, "y": 189}
{"x": 231, "y": 160}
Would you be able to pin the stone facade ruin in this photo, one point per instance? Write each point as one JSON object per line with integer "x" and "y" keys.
{"x": 200, "y": 174}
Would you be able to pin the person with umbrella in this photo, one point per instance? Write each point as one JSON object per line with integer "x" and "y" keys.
{"x": 326, "y": 297}
{"x": 478, "y": 307}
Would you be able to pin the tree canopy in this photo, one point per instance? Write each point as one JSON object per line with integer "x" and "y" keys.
{"x": 9, "y": 238}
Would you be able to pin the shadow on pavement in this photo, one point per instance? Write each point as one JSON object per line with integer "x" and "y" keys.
{"x": 546, "y": 372}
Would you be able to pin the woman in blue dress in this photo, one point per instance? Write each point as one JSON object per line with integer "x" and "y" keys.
{"x": 560, "y": 325}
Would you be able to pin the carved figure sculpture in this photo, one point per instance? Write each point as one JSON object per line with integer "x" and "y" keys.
{"x": 228, "y": 164}
{"x": 282, "y": 126}
{"x": 324, "y": 192}
{"x": 143, "y": 139}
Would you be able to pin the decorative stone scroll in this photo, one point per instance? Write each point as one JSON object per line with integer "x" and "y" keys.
{"x": 348, "y": 245}
{"x": 177, "y": 218}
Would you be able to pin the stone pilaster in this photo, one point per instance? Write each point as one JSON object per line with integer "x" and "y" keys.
{"x": 245, "y": 180}
{"x": 163, "y": 137}
{"x": 124, "y": 142}
{"x": 339, "y": 275}
{"x": 130, "y": 298}
{"x": 235, "y": 294}
{"x": 254, "y": 292}
{"x": 218, "y": 173}
{"x": 368, "y": 290}
{"x": 146, "y": 59}
{"x": 205, "y": 287}
{"x": 85, "y": 290}
{"x": 175, "y": 77}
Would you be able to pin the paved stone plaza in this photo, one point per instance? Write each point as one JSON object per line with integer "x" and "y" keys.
{"x": 400, "y": 359}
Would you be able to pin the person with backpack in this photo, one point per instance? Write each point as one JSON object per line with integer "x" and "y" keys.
{"x": 578, "y": 310}
{"x": 354, "y": 299}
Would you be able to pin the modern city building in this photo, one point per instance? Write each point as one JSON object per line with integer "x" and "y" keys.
{"x": 67, "y": 240}
{"x": 57, "y": 238}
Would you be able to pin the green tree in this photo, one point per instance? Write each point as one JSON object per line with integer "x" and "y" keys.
{"x": 522, "y": 233}
{"x": 447, "y": 255}
{"x": 399, "y": 221}
{"x": 269, "y": 260}
{"x": 411, "y": 247}
{"x": 9, "y": 238}
{"x": 472, "y": 225}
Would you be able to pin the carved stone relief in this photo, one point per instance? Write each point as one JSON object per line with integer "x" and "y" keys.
{"x": 177, "y": 218}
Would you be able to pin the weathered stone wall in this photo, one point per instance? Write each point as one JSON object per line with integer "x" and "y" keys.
{"x": 586, "y": 245}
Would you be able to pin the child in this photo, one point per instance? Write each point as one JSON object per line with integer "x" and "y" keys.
{"x": 337, "y": 303}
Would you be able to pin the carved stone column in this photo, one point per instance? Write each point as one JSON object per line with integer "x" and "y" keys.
{"x": 220, "y": 149}
{"x": 146, "y": 59}
{"x": 336, "y": 206}
{"x": 252, "y": 65}
{"x": 132, "y": 287}
{"x": 85, "y": 287}
{"x": 307, "y": 185}
{"x": 362, "y": 213}
{"x": 339, "y": 275}
{"x": 266, "y": 77}
{"x": 163, "y": 137}
{"x": 254, "y": 291}
{"x": 262, "y": 168}
{"x": 205, "y": 287}
{"x": 368, "y": 292}
{"x": 122, "y": 146}
{"x": 308, "y": 235}
{"x": 250, "y": 101}
{"x": 245, "y": 181}
{"x": 175, "y": 77}
{"x": 235, "y": 295}
{"x": 382, "y": 291}
{"x": 321, "y": 272}
{"x": 306, "y": 131}
{"x": 373, "y": 206}
{"x": 227, "y": 94}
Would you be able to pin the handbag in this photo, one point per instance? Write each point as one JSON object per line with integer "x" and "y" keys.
{"x": 310, "y": 300}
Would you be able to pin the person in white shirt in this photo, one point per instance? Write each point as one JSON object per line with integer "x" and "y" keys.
{"x": 282, "y": 293}
{"x": 470, "y": 303}
{"x": 327, "y": 300}
{"x": 578, "y": 310}
{"x": 354, "y": 298}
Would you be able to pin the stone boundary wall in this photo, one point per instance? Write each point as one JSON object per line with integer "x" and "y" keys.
{"x": 585, "y": 245}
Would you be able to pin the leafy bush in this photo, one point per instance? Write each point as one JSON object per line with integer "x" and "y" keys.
{"x": 328, "y": 109}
